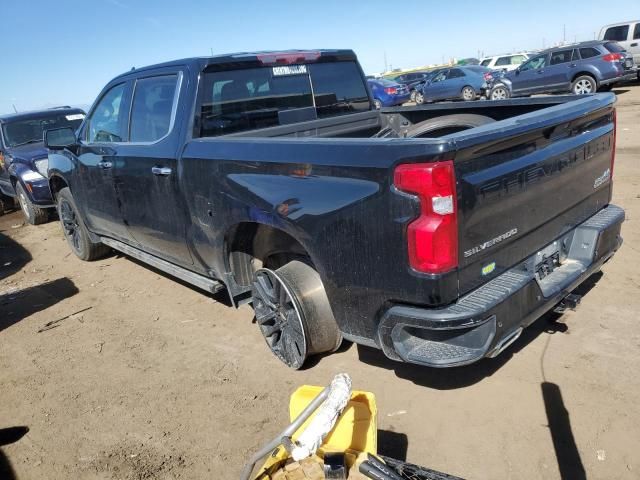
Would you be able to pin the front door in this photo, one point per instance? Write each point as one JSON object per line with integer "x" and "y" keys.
{"x": 437, "y": 88}
{"x": 146, "y": 174}
{"x": 102, "y": 136}
{"x": 529, "y": 78}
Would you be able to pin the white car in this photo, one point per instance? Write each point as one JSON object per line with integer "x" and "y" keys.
{"x": 627, "y": 34}
{"x": 506, "y": 63}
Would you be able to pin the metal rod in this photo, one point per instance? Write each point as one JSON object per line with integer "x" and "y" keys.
{"x": 287, "y": 432}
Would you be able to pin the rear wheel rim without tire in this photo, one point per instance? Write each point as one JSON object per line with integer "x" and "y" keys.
{"x": 582, "y": 87}
{"x": 468, "y": 93}
{"x": 419, "y": 98}
{"x": 499, "y": 94}
{"x": 23, "y": 204}
{"x": 70, "y": 225}
{"x": 279, "y": 318}
{"x": 377, "y": 104}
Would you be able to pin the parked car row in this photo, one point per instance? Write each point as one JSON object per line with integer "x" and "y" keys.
{"x": 582, "y": 68}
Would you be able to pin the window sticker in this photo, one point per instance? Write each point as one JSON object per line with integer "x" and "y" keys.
{"x": 289, "y": 70}
{"x": 75, "y": 116}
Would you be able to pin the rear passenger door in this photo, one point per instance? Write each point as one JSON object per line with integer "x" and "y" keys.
{"x": 559, "y": 72}
{"x": 146, "y": 174}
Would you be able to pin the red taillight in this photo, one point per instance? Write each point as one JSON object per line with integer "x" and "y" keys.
{"x": 612, "y": 57}
{"x": 391, "y": 90}
{"x": 288, "y": 58}
{"x": 488, "y": 77}
{"x": 432, "y": 237}
{"x": 615, "y": 134}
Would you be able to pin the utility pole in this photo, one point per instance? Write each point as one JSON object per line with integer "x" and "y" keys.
{"x": 564, "y": 33}
{"x": 14, "y": 107}
{"x": 543, "y": 46}
{"x": 386, "y": 66}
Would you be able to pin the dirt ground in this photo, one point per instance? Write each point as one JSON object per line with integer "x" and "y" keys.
{"x": 153, "y": 379}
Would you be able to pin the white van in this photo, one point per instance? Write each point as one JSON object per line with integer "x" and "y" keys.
{"x": 627, "y": 34}
{"x": 506, "y": 63}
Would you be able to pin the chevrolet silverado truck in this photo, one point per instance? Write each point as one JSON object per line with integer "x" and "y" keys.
{"x": 435, "y": 233}
{"x": 23, "y": 159}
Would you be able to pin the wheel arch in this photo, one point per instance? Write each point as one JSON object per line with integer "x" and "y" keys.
{"x": 57, "y": 183}
{"x": 252, "y": 245}
{"x": 587, "y": 73}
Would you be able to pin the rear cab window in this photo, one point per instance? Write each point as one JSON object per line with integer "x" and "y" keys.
{"x": 619, "y": 33}
{"x": 485, "y": 63}
{"x": 239, "y": 100}
{"x": 636, "y": 32}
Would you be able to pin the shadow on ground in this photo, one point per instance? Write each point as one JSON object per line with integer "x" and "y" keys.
{"x": 460, "y": 377}
{"x": 13, "y": 256}
{"x": 8, "y": 436}
{"x": 564, "y": 444}
{"x": 17, "y": 305}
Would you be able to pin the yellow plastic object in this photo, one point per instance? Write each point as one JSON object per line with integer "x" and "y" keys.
{"x": 355, "y": 432}
{"x": 356, "y": 429}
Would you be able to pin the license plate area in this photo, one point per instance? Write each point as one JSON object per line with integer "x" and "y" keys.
{"x": 547, "y": 260}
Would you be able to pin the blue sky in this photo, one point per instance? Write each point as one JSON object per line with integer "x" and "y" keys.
{"x": 63, "y": 51}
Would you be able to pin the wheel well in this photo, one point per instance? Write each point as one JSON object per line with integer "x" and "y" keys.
{"x": 251, "y": 246}
{"x": 56, "y": 184}
{"x": 582, "y": 74}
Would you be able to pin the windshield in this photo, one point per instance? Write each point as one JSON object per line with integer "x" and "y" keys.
{"x": 253, "y": 98}
{"x": 22, "y": 132}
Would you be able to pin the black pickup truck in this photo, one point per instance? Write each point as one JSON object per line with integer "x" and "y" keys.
{"x": 435, "y": 233}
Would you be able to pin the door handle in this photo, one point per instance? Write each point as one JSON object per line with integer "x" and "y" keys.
{"x": 161, "y": 171}
{"x": 573, "y": 65}
{"x": 105, "y": 165}
{"x": 540, "y": 72}
{"x": 635, "y": 44}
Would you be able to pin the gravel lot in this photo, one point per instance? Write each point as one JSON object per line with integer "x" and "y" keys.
{"x": 156, "y": 380}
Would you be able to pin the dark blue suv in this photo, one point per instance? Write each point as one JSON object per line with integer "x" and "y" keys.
{"x": 24, "y": 162}
{"x": 581, "y": 68}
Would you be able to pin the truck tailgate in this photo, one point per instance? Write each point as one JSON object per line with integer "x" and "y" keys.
{"x": 524, "y": 182}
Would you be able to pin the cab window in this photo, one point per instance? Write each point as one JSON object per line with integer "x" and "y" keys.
{"x": 108, "y": 121}
{"x": 152, "y": 108}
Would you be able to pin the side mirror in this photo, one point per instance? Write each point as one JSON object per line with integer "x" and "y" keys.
{"x": 60, "y": 138}
{"x": 517, "y": 70}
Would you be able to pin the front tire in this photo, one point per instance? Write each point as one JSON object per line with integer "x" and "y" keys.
{"x": 377, "y": 103}
{"x": 32, "y": 213}
{"x": 293, "y": 313}
{"x": 75, "y": 231}
{"x": 583, "y": 85}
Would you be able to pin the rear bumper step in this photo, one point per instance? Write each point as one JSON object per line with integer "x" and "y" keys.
{"x": 487, "y": 320}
